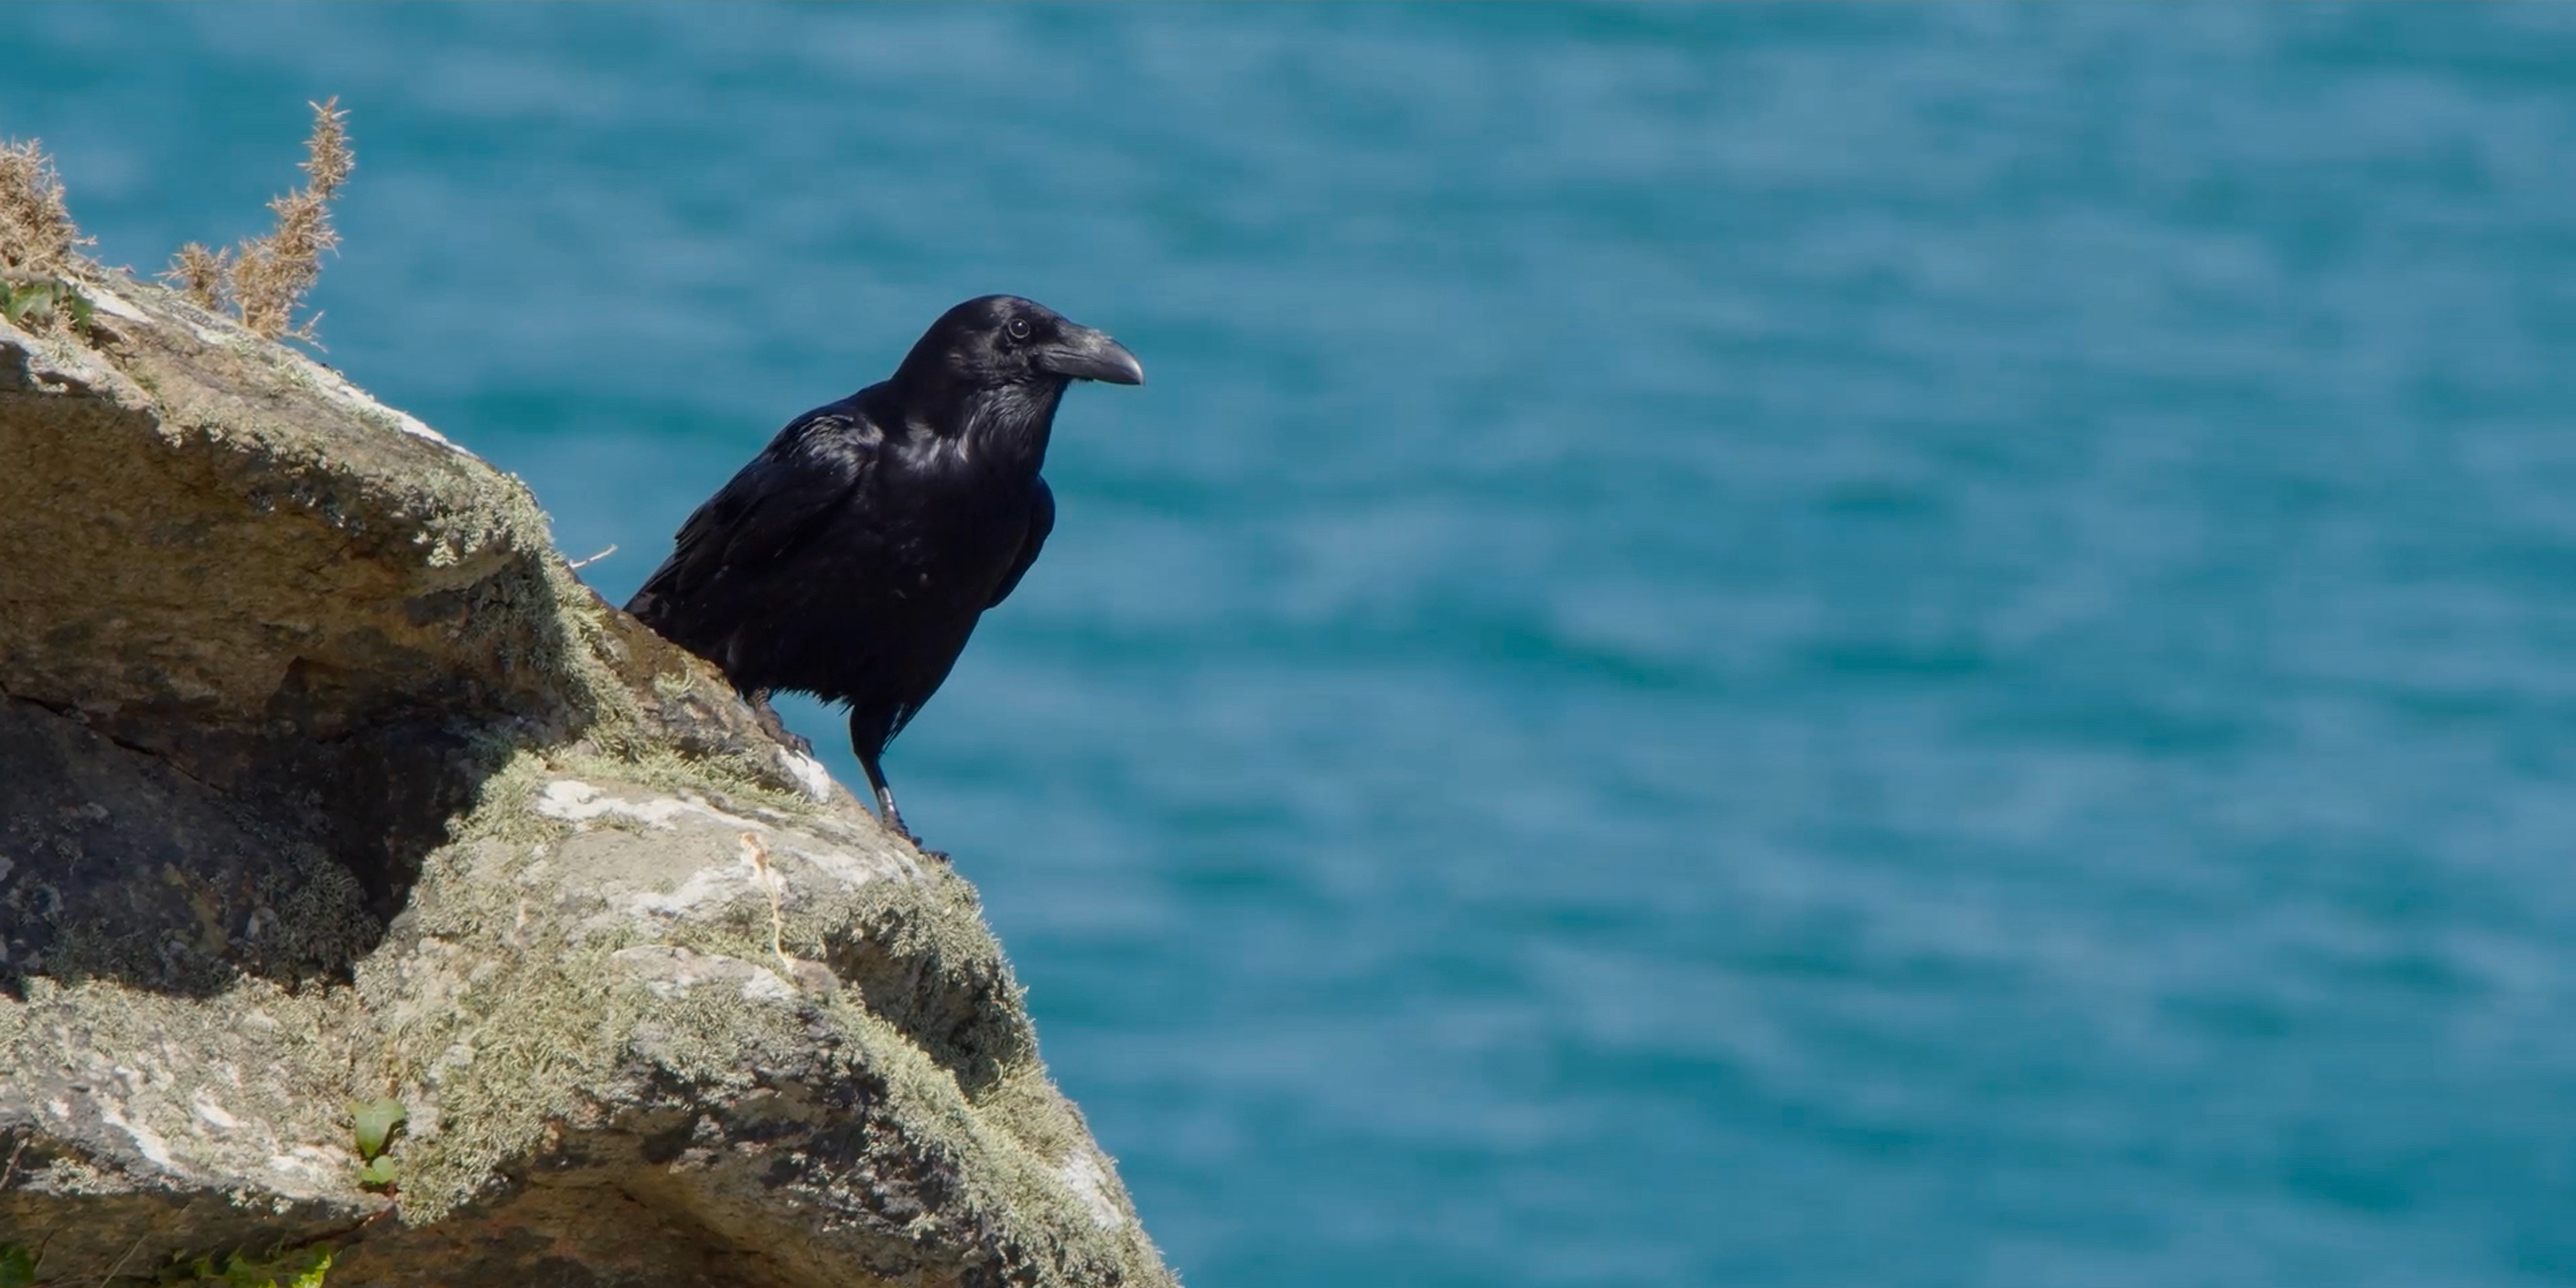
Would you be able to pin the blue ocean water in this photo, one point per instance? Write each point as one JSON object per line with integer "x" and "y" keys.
{"x": 1747, "y": 646}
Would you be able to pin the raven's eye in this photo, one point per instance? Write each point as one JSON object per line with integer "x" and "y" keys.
{"x": 1019, "y": 328}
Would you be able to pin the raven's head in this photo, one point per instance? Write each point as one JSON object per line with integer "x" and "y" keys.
{"x": 999, "y": 341}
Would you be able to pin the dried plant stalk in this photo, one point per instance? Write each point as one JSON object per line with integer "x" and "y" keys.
{"x": 204, "y": 274}
{"x": 267, "y": 277}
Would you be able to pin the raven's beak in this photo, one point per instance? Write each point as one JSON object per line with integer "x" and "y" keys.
{"x": 1085, "y": 354}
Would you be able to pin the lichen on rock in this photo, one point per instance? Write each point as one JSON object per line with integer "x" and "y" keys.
{"x": 323, "y": 779}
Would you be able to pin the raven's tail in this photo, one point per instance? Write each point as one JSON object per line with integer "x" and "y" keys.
{"x": 652, "y": 604}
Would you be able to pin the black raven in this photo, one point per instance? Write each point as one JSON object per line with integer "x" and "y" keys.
{"x": 853, "y": 556}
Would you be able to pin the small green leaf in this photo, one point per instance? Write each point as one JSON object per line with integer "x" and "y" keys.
{"x": 84, "y": 314}
{"x": 36, "y": 300}
{"x": 17, "y": 1265}
{"x": 16, "y": 300}
{"x": 378, "y": 1171}
{"x": 312, "y": 1277}
{"x": 376, "y": 1120}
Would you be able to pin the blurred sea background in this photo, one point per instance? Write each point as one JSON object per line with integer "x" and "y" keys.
{"x": 1732, "y": 646}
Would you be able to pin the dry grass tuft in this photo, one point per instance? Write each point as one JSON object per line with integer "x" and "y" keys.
{"x": 266, "y": 277}
{"x": 204, "y": 274}
{"x": 37, "y": 236}
{"x": 39, "y": 245}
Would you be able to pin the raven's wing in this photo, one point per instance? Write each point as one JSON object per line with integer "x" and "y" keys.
{"x": 1041, "y": 522}
{"x": 776, "y": 504}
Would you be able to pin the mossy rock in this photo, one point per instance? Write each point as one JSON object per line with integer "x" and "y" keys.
{"x": 324, "y": 781}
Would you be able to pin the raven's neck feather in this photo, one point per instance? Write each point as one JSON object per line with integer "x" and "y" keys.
{"x": 1004, "y": 427}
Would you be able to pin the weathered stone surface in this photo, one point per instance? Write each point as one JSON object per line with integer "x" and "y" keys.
{"x": 322, "y": 779}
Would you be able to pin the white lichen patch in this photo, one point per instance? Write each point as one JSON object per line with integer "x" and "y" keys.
{"x": 579, "y": 803}
{"x": 314, "y": 1165}
{"x": 705, "y": 887}
{"x": 146, "y": 1141}
{"x": 669, "y": 971}
{"x": 210, "y": 1113}
{"x": 851, "y": 871}
{"x": 703, "y": 864}
{"x": 1083, "y": 1175}
{"x": 111, "y": 303}
{"x": 810, "y": 774}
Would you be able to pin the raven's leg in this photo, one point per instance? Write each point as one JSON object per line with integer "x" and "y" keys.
{"x": 868, "y": 730}
{"x": 885, "y": 796}
{"x": 869, "y": 734}
{"x": 775, "y": 727}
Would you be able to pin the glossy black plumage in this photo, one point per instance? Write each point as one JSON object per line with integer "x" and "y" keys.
{"x": 852, "y": 558}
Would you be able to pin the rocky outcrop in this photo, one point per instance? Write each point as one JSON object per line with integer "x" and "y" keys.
{"x": 323, "y": 780}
